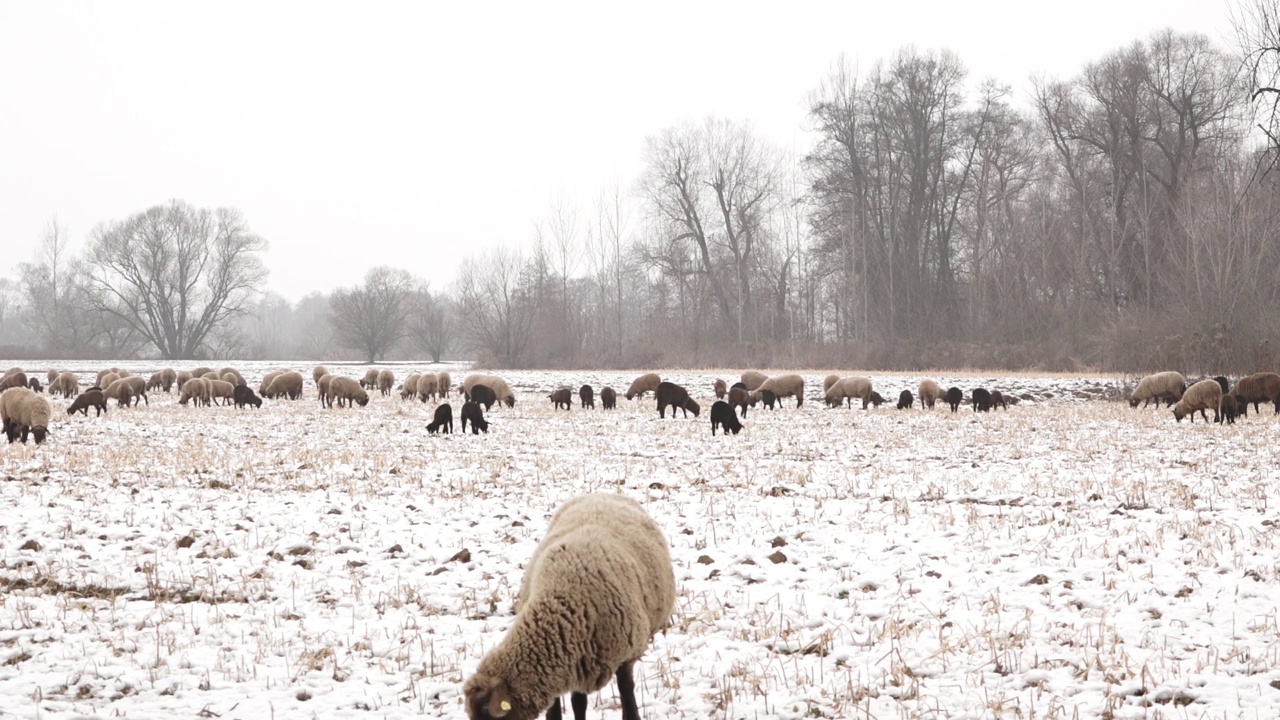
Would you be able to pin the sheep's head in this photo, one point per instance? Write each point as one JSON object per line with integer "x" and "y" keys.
{"x": 1178, "y": 414}
{"x": 493, "y": 699}
{"x": 692, "y": 407}
{"x": 39, "y": 432}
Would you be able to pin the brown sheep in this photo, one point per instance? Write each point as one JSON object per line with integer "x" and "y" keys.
{"x": 428, "y": 386}
{"x": 562, "y": 396}
{"x": 783, "y": 386}
{"x": 1228, "y": 409}
{"x": 24, "y": 413}
{"x": 443, "y": 383}
{"x": 53, "y": 375}
{"x": 410, "y": 387}
{"x": 347, "y": 391}
{"x": 88, "y": 399}
{"x": 828, "y": 381}
{"x": 722, "y": 415}
{"x": 181, "y": 379}
{"x": 955, "y": 396}
{"x": 674, "y": 396}
{"x": 1258, "y": 388}
{"x": 608, "y": 398}
{"x": 67, "y": 385}
{"x": 646, "y": 383}
{"x": 322, "y": 389}
{"x": 34, "y": 384}
{"x": 12, "y": 380}
{"x": 587, "y": 397}
{"x": 1202, "y": 396}
{"x": 318, "y": 372}
{"x": 386, "y": 379}
{"x": 155, "y": 382}
{"x": 739, "y": 397}
{"x": 483, "y": 395}
{"x": 195, "y": 390}
{"x": 288, "y": 384}
{"x": 720, "y": 389}
{"x": 244, "y": 395}
{"x": 443, "y": 420}
{"x": 370, "y": 379}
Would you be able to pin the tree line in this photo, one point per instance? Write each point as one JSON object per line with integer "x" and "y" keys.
{"x": 1122, "y": 219}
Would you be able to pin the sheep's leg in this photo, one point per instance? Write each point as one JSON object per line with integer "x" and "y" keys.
{"x": 579, "y": 703}
{"x": 627, "y": 692}
{"x": 553, "y": 712}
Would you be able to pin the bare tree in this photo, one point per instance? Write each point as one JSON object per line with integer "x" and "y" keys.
{"x": 48, "y": 290}
{"x": 432, "y": 324}
{"x": 175, "y": 273}
{"x": 372, "y": 317}
{"x": 1257, "y": 27}
{"x": 497, "y": 304}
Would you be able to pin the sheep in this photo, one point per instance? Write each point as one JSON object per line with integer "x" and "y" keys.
{"x": 346, "y": 391}
{"x": 223, "y": 390}
{"x": 929, "y": 392}
{"x": 67, "y": 385}
{"x": 410, "y": 387}
{"x": 1228, "y": 409}
{"x": 318, "y": 372}
{"x": 123, "y": 391}
{"x": 267, "y": 379}
{"x": 1223, "y": 383}
{"x": 427, "y": 386}
{"x": 1204, "y": 395}
{"x": 722, "y": 415}
{"x": 783, "y": 386}
{"x": 287, "y": 384}
{"x": 167, "y": 379}
{"x": 954, "y": 397}
{"x": 201, "y": 372}
{"x": 981, "y": 400}
{"x": 562, "y": 396}
{"x": 12, "y": 379}
{"x": 105, "y": 379}
{"x": 740, "y": 398}
{"x": 1259, "y": 387}
{"x": 322, "y": 390}
{"x": 443, "y": 420}
{"x": 471, "y": 412}
{"x": 599, "y": 586}
{"x": 370, "y": 379}
{"x": 753, "y": 379}
{"x": 33, "y": 383}
{"x": 181, "y": 379}
{"x": 244, "y": 395}
{"x": 138, "y": 387}
{"x": 587, "y": 397}
{"x": 155, "y": 382}
{"x": 386, "y": 379}
{"x": 846, "y": 389}
{"x": 828, "y": 381}
{"x": 196, "y": 389}
{"x": 719, "y": 388}
{"x": 768, "y": 399}
{"x": 608, "y": 398}
{"x": 236, "y": 379}
{"x": 646, "y": 383}
{"x": 125, "y": 395}
{"x": 52, "y": 375}
{"x": 670, "y": 394}
{"x": 97, "y": 381}
{"x": 88, "y": 399}
{"x": 501, "y": 391}
{"x": 444, "y": 382}
{"x": 998, "y": 400}
{"x": 24, "y": 413}
{"x": 905, "y": 401}
{"x": 483, "y": 395}
{"x": 1162, "y": 385}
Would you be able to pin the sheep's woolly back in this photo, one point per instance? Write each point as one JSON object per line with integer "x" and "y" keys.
{"x": 266, "y": 380}
{"x": 113, "y": 390}
{"x": 193, "y": 389}
{"x": 443, "y": 382}
{"x": 285, "y": 383}
{"x": 221, "y": 389}
{"x": 828, "y": 381}
{"x": 783, "y": 386}
{"x": 1258, "y": 387}
{"x": 1162, "y": 383}
{"x": 347, "y": 389}
{"x": 598, "y": 587}
{"x": 427, "y": 385}
{"x": 850, "y": 387}
{"x": 22, "y": 406}
{"x": 1204, "y": 395}
{"x": 753, "y": 379}
{"x": 318, "y": 372}
{"x": 501, "y": 390}
{"x": 646, "y": 383}
{"x": 68, "y": 384}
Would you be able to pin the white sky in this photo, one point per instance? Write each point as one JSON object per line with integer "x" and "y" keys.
{"x": 413, "y": 134}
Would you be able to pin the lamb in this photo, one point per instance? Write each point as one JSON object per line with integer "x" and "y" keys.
{"x": 1257, "y": 388}
{"x": 12, "y": 379}
{"x": 318, "y": 372}
{"x": 88, "y": 399}
{"x": 768, "y": 399}
{"x": 905, "y": 401}
{"x": 562, "y": 396}
{"x": 954, "y": 397}
{"x": 287, "y": 384}
{"x": 1228, "y": 409}
{"x": 608, "y": 398}
{"x": 670, "y": 394}
{"x": 443, "y": 420}
{"x": 720, "y": 389}
{"x": 587, "y": 397}
{"x": 740, "y": 398}
{"x": 427, "y": 386}
{"x": 998, "y": 400}
{"x": 929, "y": 392}
{"x": 410, "y": 387}
{"x": 722, "y": 415}
{"x": 844, "y": 390}
{"x": 223, "y": 390}
{"x": 67, "y": 385}
{"x": 346, "y": 391}
{"x": 33, "y": 383}
{"x": 599, "y": 586}
{"x": 501, "y": 391}
{"x": 1204, "y": 395}
{"x": 370, "y": 380}
{"x": 24, "y": 413}
{"x": 981, "y": 400}
{"x": 483, "y": 395}
{"x": 783, "y": 386}
{"x": 386, "y": 379}
{"x": 1170, "y": 384}
{"x": 646, "y": 383}
{"x": 244, "y": 395}
{"x": 196, "y": 389}
{"x": 443, "y": 383}
{"x": 471, "y": 412}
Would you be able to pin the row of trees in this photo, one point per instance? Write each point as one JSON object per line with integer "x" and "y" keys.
{"x": 1124, "y": 218}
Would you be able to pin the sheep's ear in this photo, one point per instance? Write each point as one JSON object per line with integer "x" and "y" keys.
{"x": 500, "y": 701}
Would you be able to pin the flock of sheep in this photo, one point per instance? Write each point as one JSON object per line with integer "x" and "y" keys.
{"x": 1216, "y": 394}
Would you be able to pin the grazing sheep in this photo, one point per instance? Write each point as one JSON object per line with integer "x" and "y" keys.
{"x": 1204, "y": 395}
{"x": 443, "y": 383}
{"x": 483, "y": 395}
{"x": 981, "y": 400}
{"x": 125, "y": 395}
{"x": 123, "y": 391}
{"x": 998, "y": 400}
{"x": 828, "y": 381}
{"x": 13, "y": 379}
{"x": 97, "y": 380}
{"x": 1224, "y": 383}
{"x": 443, "y": 420}
{"x": 212, "y": 375}
{"x": 23, "y": 414}
{"x": 167, "y": 379}
{"x": 386, "y": 379}
{"x": 753, "y": 379}
{"x": 501, "y": 390}
{"x": 1159, "y": 386}
{"x": 33, "y": 383}
{"x": 562, "y": 396}
{"x": 719, "y": 388}
{"x": 929, "y": 391}
{"x": 783, "y": 386}
{"x": 322, "y": 390}
{"x": 195, "y": 389}
{"x": 599, "y": 586}
{"x": 646, "y": 383}
{"x": 235, "y": 379}
{"x": 267, "y": 379}
{"x": 201, "y": 372}
{"x": 472, "y": 413}
{"x": 53, "y": 375}
{"x": 722, "y": 415}
{"x": 608, "y": 398}
{"x": 287, "y": 384}
{"x": 675, "y": 396}
{"x": 370, "y": 379}
{"x": 587, "y": 397}
{"x": 954, "y": 397}
{"x": 181, "y": 379}
{"x": 845, "y": 390}
{"x": 1258, "y": 388}
{"x": 138, "y": 387}
{"x": 67, "y": 385}
{"x": 155, "y": 382}
{"x": 223, "y": 390}
{"x": 318, "y": 372}
{"x": 105, "y": 379}
{"x": 346, "y": 391}
{"x": 244, "y": 395}
{"x": 905, "y": 400}
{"x": 427, "y": 386}
{"x": 88, "y": 399}
{"x": 1228, "y": 409}
{"x": 410, "y": 387}
{"x": 739, "y": 397}
{"x": 768, "y": 399}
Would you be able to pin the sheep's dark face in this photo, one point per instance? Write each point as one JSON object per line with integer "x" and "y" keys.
{"x": 39, "y": 432}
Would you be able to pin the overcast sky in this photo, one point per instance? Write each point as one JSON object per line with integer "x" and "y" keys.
{"x": 413, "y": 134}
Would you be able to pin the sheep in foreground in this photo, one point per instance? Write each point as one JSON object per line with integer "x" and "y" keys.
{"x": 347, "y": 391}
{"x": 905, "y": 400}
{"x": 608, "y": 398}
{"x": 443, "y": 383}
{"x": 587, "y": 397}
{"x": 410, "y": 387}
{"x": 67, "y": 385}
{"x": 845, "y": 390}
{"x": 599, "y": 586}
{"x": 719, "y": 388}
{"x": 386, "y": 379}
{"x": 472, "y": 413}
{"x": 1204, "y": 395}
{"x": 674, "y": 396}
{"x": 722, "y": 415}
{"x": 1159, "y": 386}
{"x": 981, "y": 400}
{"x": 954, "y": 397}
{"x": 783, "y": 386}
{"x": 23, "y": 413}
{"x": 195, "y": 390}
{"x": 929, "y": 392}
{"x": 1258, "y": 388}
{"x": 647, "y": 383}
{"x": 88, "y": 399}
{"x": 562, "y": 396}
{"x": 244, "y": 395}
{"x": 288, "y": 384}
{"x": 443, "y": 420}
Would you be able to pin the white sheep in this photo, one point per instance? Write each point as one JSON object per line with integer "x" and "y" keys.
{"x": 443, "y": 383}
{"x": 346, "y": 391}
{"x": 23, "y": 413}
{"x": 1159, "y": 386}
{"x": 929, "y": 392}
{"x": 410, "y": 387}
{"x": 598, "y": 588}
{"x": 781, "y": 386}
{"x": 1204, "y": 395}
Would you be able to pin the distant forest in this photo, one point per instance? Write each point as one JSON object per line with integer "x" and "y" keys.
{"x": 1121, "y": 220}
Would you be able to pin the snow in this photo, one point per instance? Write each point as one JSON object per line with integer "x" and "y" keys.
{"x": 1067, "y": 558}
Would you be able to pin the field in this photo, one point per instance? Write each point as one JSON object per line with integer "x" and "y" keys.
{"x": 1068, "y": 558}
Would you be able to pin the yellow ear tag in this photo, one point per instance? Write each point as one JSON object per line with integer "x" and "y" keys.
{"x": 506, "y": 706}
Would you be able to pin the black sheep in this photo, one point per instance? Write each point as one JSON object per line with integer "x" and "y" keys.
{"x": 91, "y": 398}
{"x": 981, "y": 400}
{"x": 1224, "y": 384}
{"x": 769, "y": 399}
{"x": 740, "y": 398}
{"x": 722, "y": 415}
{"x": 244, "y": 395}
{"x": 1227, "y": 410}
{"x": 671, "y": 394}
{"x": 905, "y": 400}
{"x": 483, "y": 395}
{"x": 954, "y": 397}
{"x": 608, "y": 398}
{"x": 563, "y": 396}
{"x": 471, "y": 411}
{"x": 34, "y": 384}
{"x": 443, "y": 420}
{"x": 587, "y": 397}
{"x": 998, "y": 400}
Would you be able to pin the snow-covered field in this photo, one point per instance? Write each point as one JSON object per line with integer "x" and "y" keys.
{"x": 1068, "y": 558}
